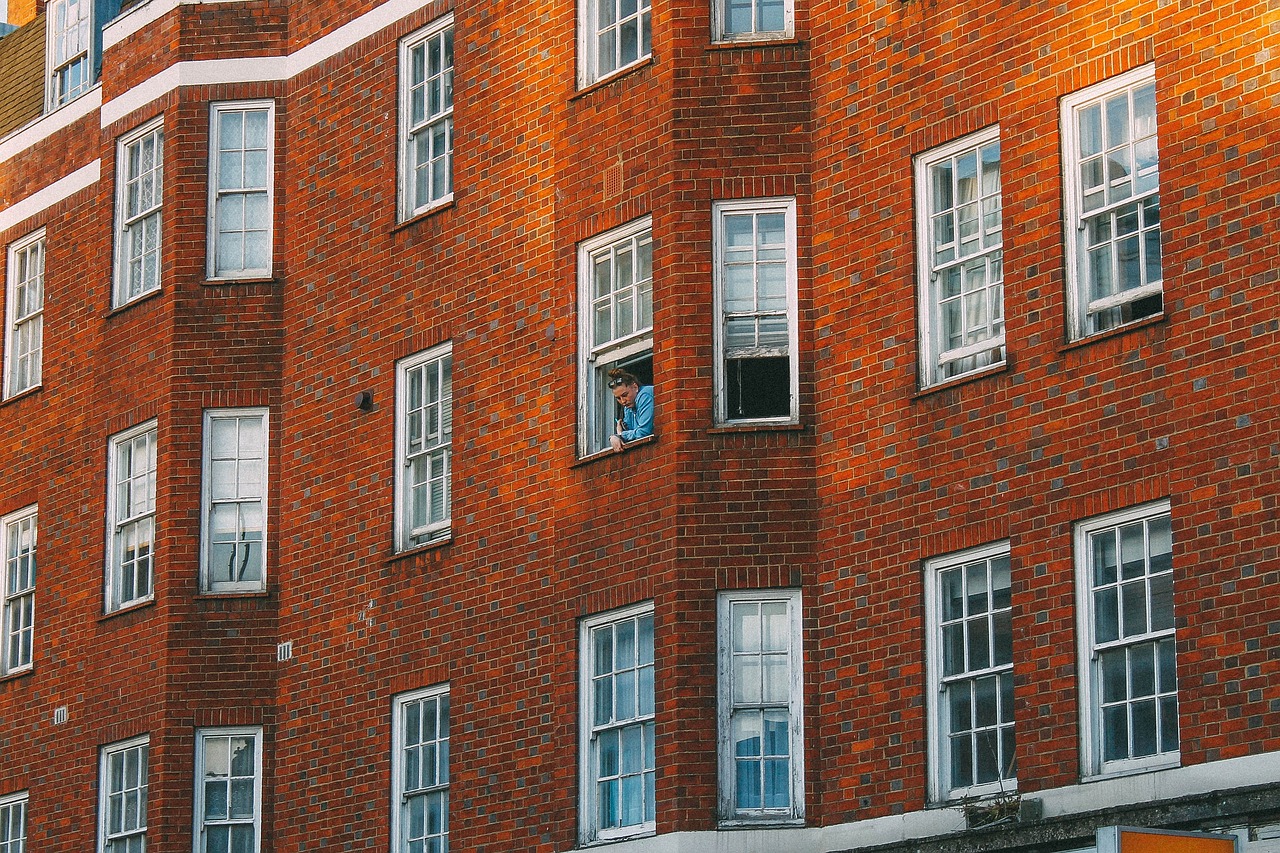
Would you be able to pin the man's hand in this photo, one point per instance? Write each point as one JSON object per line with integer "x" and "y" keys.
{"x": 616, "y": 443}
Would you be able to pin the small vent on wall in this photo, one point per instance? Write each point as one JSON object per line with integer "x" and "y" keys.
{"x": 284, "y": 651}
{"x": 613, "y": 180}
{"x": 60, "y": 715}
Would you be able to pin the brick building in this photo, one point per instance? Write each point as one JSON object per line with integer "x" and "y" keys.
{"x": 310, "y": 309}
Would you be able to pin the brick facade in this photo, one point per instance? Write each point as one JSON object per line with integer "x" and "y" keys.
{"x": 879, "y": 475}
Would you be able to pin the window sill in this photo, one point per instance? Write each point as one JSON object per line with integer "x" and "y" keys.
{"x": 647, "y": 831}
{"x": 613, "y": 77}
{"x": 770, "y": 40}
{"x": 131, "y": 607}
{"x": 749, "y": 823}
{"x": 25, "y": 392}
{"x": 14, "y": 676}
{"x": 756, "y": 426}
{"x": 442, "y": 205}
{"x": 1161, "y": 762}
{"x": 1146, "y": 322}
{"x": 214, "y": 595}
{"x": 604, "y": 454}
{"x": 260, "y": 279}
{"x": 972, "y": 376}
{"x": 418, "y": 550}
{"x": 137, "y": 300}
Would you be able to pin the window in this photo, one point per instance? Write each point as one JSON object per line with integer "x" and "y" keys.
{"x": 613, "y": 35}
{"x": 24, "y": 320}
{"x": 13, "y": 823}
{"x": 617, "y": 749}
{"x": 960, "y": 257}
{"x": 19, "y": 594}
{"x": 761, "y": 717}
{"x": 1112, "y": 203}
{"x": 122, "y": 807}
{"x": 70, "y": 42}
{"x": 228, "y": 796}
{"x": 1129, "y": 690}
{"x": 241, "y": 189}
{"x": 420, "y": 772}
{"x": 139, "y": 188}
{"x": 969, "y": 650}
{"x": 747, "y": 20}
{"x": 757, "y": 374}
{"x": 426, "y": 118}
{"x": 131, "y": 511}
{"x": 615, "y": 274}
{"x": 234, "y": 500}
{"x": 424, "y": 441}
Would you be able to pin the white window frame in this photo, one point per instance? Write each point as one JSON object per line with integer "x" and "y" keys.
{"x": 204, "y": 823}
{"x": 129, "y": 801}
{"x": 1081, "y": 308}
{"x": 1093, "y": 764}
{"x": 596, "y": 407}
{"x": 591, "y": 730}
{"x": 730, "y": 814}
{"x": 406, "y": 536}
{"x": 400, "y": 798}
{"x": 217, "y": 195}
{"x": 721, "y": 33}
{"x": 439, "y": 33}
{"x": 142, "y": 516}
{"x": 20, "y": 530}
{"x": 721, "y": 210}
{"x": 69, "y": 47}
{"x": 985, "y": 250}
{"x": 11, "y": 840}
{"x": 138, "y": 224}
{"x": 590, "y": 31}
{"x": 941, "y": 785}
{"x": 243, "y": 498}
{"x": 24, "y": 314}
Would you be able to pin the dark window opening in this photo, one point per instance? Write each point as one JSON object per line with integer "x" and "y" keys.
{"x": 758, "y": 387}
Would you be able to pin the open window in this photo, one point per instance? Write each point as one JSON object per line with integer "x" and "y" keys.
{"x": 757, "y": 373}
{"x": 616, "y": 326}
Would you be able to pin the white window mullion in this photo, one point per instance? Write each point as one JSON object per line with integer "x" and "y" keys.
{"x": 139, "y": 195}
{"x": 615, "y": 272}
{"x": 19, "y": 592}
{"x": 616, "y": 697}
{"x": 761, "y": 709}
{"x": 234, "y": 500}
{"x": 1129, "y": 692}
{"x": 24, "y": 315}
{"x": 131, "y": 510}
{"x": 426, "y": 119}
{"x": 228, "y": 795}
{"x": 1112, "y": 203}
{"x": 424, "y": 447}
{"x": 122, "y": 787}
{"x": 13, "y": 823}
{"x": 960, "y": 257}
{"x": 756, "y": 336}
{"x": 969, "y": 665}
{"x": 241, "y": 189}
{"x": 420, "y": 771}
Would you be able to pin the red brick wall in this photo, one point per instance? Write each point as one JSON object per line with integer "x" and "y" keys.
{"x": 877, "y": 478}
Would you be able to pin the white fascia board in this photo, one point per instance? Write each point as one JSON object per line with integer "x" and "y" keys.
{"x": 49, "y": 124}
{"x": 1084, "y": 797}
{"x": 257, "y": 69}
{"x": 82, "y": 178}
{"x": 206, "y": 72}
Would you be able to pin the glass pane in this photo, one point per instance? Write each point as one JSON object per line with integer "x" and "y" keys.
{"x": 1133, "y": 598}
{"x": 1115, "y": 676}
